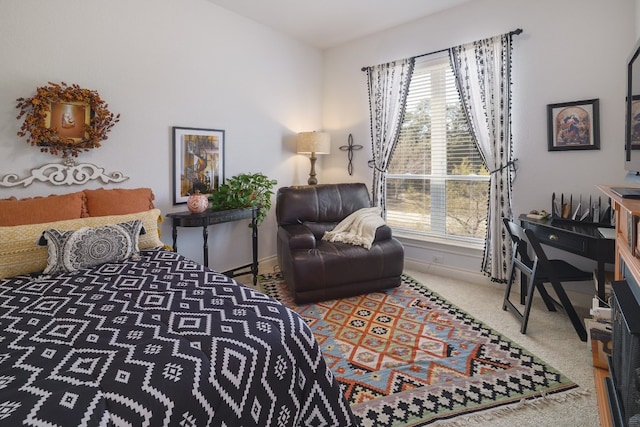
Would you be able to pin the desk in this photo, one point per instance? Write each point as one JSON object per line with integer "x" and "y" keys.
{"x": 577, "y": 238}
{"x": 207, "y": 218}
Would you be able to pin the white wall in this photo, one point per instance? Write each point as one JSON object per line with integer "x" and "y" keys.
{"x": 570, "y": 50}
{"x": 164, "y": 63}
{"x": 161, "y": 63}
{"x": 637, "y": 21}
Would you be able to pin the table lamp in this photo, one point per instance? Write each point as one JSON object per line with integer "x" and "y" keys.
{"x": 313, "y": 143}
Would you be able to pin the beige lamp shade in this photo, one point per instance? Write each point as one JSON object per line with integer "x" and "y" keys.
{"x": 314, "y": 142}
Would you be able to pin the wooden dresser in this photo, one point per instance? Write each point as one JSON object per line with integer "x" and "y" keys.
{"x": 625, "y": 211}
{"x": 627, "y": 251}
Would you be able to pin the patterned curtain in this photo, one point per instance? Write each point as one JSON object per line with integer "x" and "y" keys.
{"x": 482, "y": 70}
{"x": 388, "y": 86}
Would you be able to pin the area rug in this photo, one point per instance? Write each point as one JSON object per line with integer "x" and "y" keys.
{"x": 408, "y": 357}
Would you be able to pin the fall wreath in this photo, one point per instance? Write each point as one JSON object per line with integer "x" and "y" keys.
{"x": 65, "y": 119}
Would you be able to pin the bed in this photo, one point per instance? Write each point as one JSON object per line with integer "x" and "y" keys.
{"x": 148, "y": 338}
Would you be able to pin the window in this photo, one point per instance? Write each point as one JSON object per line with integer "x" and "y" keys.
{"x": 437, "y": 184}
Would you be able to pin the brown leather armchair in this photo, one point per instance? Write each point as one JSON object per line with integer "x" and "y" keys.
{"x": 317, "y": 270}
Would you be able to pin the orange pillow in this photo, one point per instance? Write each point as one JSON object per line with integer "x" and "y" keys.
{"x": 42, "y": 209}
{"x": 118, "y": 201}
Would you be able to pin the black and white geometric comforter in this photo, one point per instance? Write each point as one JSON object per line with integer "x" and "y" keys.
{"x": 159, "y": 341}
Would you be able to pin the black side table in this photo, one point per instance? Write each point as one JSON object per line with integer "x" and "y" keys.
{"x": 209, "y": 217}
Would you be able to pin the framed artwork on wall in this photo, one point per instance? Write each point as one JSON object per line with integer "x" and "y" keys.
{"x": 65, "y": 120}
{"x": 198, "y": 161}
{"x": 69, "y": 119}
{"x": 573, "y": 125}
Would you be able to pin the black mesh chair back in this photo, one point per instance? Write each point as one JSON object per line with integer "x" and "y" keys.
{"x": 531, "y": 261}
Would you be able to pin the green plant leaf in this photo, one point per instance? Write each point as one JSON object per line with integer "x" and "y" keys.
{"x": 245, "y": 190}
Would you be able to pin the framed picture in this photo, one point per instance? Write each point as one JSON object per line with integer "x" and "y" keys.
{"x": 635, "y": 122}
{"x": 198, "y": 161}
{"x": 573, "y": 125}
{"x": 69, "y": 119}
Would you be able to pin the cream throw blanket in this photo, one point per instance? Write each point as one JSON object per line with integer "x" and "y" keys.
{"x": 359, "y": 228}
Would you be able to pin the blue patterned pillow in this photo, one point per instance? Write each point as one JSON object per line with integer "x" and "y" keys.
{"x": 86, "y": 247}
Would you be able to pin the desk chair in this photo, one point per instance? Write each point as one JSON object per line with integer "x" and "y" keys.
{"x": 540, "y": 270}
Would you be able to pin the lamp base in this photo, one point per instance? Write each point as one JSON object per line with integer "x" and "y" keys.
{"x": 312, "y": 174}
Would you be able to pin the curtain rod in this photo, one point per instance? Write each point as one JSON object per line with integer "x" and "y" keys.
{"x": 515, "y": 32}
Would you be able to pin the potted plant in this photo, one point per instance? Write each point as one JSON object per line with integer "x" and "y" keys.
{"x": 245, "y": 190}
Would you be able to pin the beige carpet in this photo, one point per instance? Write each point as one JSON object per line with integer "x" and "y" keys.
{"x": 550, "y": 336}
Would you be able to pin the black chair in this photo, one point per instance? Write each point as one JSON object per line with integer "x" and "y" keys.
{"x": 540, "y": 270}
{"x": 319, "y": 270}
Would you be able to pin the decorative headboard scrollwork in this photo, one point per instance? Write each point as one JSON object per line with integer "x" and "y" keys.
{"x": 67, "y": 173}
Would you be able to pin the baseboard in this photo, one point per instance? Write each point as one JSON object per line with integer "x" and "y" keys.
{"x": 446, "y": 271}
{"x": 270, "y": 265}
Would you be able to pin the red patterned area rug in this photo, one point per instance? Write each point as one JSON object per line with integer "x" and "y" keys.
{"x": 407, "y": 357}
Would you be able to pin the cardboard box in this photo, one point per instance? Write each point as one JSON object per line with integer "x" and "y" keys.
{"x": 599, "y": 341}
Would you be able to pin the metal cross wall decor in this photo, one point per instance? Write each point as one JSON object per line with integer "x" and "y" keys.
{"x": 349, "y": 149}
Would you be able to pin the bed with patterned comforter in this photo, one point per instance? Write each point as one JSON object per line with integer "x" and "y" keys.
{"x": 157, "y": 340}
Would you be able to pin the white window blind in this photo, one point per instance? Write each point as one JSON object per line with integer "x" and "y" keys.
{"x": 437, "y": 184}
